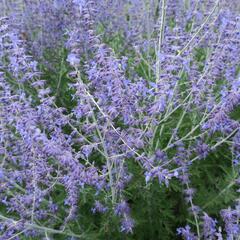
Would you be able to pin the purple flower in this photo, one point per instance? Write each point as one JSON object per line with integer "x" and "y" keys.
{"x": 202, "y": 149}
{"x": 186, "y": 233}
{"x": 127, "y": 225}
{"x": 230, "y": 217}
{"x": 99, "y": 208}
{"x": 163, "y": 175}
{"x": 73, "y": 59}
{"x": 122, "y": 208}
{"x": 209, "y": 227}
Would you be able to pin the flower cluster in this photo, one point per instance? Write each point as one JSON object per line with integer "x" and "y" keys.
{"x": 151, "y": 107}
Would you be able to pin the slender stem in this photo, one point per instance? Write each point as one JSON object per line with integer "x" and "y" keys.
{"x": 44, "y": 229}
{"x": 195, "y": 216}
{"x": 199, "y": 30}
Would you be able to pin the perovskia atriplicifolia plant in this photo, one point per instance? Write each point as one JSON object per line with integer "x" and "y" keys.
{"x": 120, "y": 119}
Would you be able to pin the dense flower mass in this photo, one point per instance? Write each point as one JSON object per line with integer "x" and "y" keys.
{"x": 120, "y": 119}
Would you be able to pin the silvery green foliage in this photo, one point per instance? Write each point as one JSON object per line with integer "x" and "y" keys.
{"x": 118, "y": 116}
